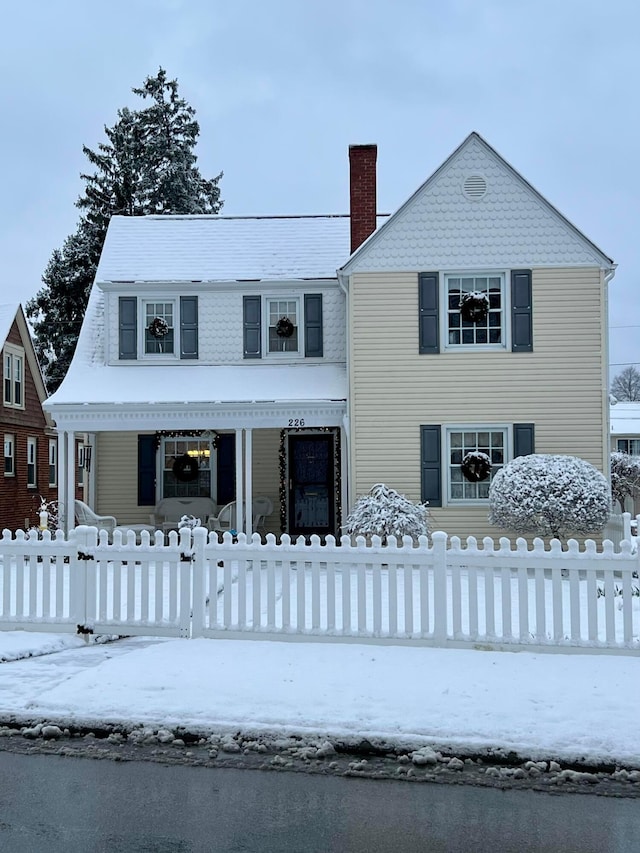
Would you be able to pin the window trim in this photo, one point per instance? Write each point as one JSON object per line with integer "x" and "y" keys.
{"x": 15, "y": 353}
{"x": 53, "y": 463}
{"x": 264, "y": 332}
{"x": 505, "y": 276}
{"x": 10, "y": 438}
{"x": 447, "y": 429}
{"x": 143, "y": 301}
{"x": 32, "y": 451}
{"x": 627, "y": 439}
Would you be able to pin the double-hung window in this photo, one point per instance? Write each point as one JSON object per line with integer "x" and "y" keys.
{"x": 53, "y": 462}
{"x": 13, "y": 373}
{"x": 9, "y": 455}
{"x": 283, "y": 326}
{"x": 32, "y": 449}
{"x": 486, "y": 326}
{"x": 629, "y": 445}
{"x": 463, "y": 446}
{"x": 283, "y": 331}
{"x": 157, "y": 329}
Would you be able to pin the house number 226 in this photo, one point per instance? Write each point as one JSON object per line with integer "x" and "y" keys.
{"x": 296, "y": 422}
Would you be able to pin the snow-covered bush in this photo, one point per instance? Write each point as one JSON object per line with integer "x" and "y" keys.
{"x": 384, "y": 512}
{"x": 625, "y": 477}
{"x": 549, "y": 495}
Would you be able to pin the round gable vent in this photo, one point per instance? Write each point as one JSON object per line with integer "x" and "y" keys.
{"x": 474, "y": 187}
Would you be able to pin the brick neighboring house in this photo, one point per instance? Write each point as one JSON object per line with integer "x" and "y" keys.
{"x": 30, "y": 444}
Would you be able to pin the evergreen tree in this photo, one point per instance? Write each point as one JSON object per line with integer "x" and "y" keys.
{"x": 147, "y": 165}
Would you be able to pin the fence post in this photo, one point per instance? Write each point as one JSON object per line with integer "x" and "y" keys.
{"x": 439, "y": 539}
{"x": 198, "y": 569}
{"x": 626, "y": 526}
{"x": 78, "y": 575}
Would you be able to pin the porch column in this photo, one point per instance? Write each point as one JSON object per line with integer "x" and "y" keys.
{"x": 239, "y": 481}
{"x": 248, "y": 474}
{"x": 62, "y": 481}
{"x": 70, "y": 481}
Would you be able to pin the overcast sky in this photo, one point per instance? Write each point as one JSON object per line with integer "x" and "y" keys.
{"x": 282, "y": 87}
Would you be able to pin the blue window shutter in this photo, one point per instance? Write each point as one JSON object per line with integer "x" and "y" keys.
{"x": 428, "y": 328}
{"x": 226, "y": 468}
{"x": 128, "y": 327}
{"x": 431, "y": 464}
{"x": 252, "y": 331}
{"x": 521, "y": 311}
{"x": 146, "y": 470}
{"x": 188, "y": 327}
{"x": 523, "y": 439}
{"x": 313, "y": 325}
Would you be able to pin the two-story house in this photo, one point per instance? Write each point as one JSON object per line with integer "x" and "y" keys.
{"x": 307, "y": 358}
{"x": 30, "y": 443}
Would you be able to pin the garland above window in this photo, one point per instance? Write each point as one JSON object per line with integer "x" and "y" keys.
{"x": 476, "y": 466}
{"x": 474, "y": 306}
{"x": 284, "y": 327}
{"x": 158, "y": 327}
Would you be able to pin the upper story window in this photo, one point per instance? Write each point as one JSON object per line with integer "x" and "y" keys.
{"x": 281, "y": 326}
{"x": 475, "y": 310}
{"x": 13, "y": 385}
{"x": 9, "y": 455}
{"x": 157, "y": 329}
{"x": 283, "y": 330}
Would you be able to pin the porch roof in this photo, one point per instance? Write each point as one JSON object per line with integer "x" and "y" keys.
{"x": 118, "y": 397}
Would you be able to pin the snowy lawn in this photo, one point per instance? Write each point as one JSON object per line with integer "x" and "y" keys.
{"x": 570, "y": 707}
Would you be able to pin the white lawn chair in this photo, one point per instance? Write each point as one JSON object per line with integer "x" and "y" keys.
{"x": 85, "y": 515}
{"x": 224, "y": 520}
{"x": 261, "y": 508}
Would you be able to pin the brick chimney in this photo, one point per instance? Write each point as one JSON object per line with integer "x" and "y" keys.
{"x": 362, "y": 184}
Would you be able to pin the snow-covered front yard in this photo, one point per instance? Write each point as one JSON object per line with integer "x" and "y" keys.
{"x": 565, "y": 706}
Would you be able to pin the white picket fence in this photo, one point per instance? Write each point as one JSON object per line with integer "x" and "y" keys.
{"x": 437, "y": 592}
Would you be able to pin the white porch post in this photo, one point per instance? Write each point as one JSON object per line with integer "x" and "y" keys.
{"x": 239, "y": 480}
{"x": 248, "y": 495}
{"x": 91, "y": 474}
{"x": 70, "y": 481}
{"x": 62, "y": 481}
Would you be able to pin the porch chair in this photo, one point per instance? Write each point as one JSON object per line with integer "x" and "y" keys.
{"x": 261, "y": 508}
{"x": 224, "y": 520}
{"x": 85, "y": 515}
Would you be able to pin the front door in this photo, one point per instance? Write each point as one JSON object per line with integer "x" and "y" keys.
{"x": 311, "y": 485}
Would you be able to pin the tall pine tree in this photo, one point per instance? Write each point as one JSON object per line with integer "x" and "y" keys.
{"x": 147, "y": 165}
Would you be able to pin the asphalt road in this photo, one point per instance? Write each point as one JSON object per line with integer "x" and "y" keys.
{"x": 62, "y": 804}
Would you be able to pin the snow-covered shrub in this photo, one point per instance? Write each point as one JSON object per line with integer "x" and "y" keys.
{"x": 625, "y": 477}
{"x": 549, "y": 495}
{"x": 384, "y": 512}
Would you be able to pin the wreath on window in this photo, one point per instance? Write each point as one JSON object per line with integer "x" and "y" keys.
{"x": 474, "y": 306}
{"x": 476, "y": 466}
{"x": 158, "y": 327}
{"x": 185, "y": 468}
{"x": 284, "y": 327}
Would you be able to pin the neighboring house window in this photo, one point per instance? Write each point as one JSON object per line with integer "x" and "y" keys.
{"x": 53, "y": 462}
{"x": 487, "y": 331}
{"x": 159, "y": 331}
{"x": 629, "y": 445}
{"x": 177, "y": 484}
{"x": 32, "y": 445}
{"x": 9, "y": 455}
{"x": 444, "y": 480}
{"x": 507, "y": 321}
{"x": 283, "y": 330}
{"x": 493, "y": 442}
{"x": 80, "y": 465}
{"x": 13, "y": 358}
{"x": 150, "y": 328}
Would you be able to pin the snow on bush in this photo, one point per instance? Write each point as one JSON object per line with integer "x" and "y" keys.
{"x": 625, "y": 477}
{"x": 549, "y": 495}
{"x": 384, "y": 512}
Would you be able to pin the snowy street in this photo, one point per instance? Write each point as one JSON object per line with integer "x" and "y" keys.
{"x": 570, "y": 707}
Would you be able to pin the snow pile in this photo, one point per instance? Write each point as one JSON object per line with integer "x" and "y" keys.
{"x": 549, "y": 495}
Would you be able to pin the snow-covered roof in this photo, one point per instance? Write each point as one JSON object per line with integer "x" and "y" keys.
{"x": 221, "y": 248}
{"x": 625, "y": 418}
{"x": 7, "y": 316}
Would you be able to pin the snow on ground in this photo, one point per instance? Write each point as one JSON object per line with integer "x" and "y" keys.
{"x": 565, "y": 706}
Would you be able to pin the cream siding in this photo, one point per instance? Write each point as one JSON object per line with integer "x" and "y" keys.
{"x": 560, "y": 386}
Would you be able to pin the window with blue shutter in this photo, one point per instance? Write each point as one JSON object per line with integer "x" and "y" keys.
{"x": 431, "y": 465}
{"x": 521, "y": 311}
{"x": 252, "y": 331}
{"x": 313, "y": 346}
{"x": 128, "y": 327}
{"x": 428, "y": 322}
{"x": 188, "y": 327}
